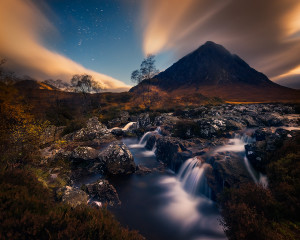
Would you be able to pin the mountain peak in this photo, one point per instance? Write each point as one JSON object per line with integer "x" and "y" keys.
{"x": 210, "y": 64}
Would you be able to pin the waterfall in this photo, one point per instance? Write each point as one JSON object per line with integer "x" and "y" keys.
{"x": 192, "y": 177}
{"x": 237, "y": 144}
{"x": 127, "y": 126}
{"x": 145, "y": 137}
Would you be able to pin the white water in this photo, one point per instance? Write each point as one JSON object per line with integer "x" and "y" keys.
{"x": 127, "y": 126}
{"x": 237, "y": 144}
{"x": 149, "y": 153}
{"x": 188, "y": 204}
{"x": 142, "y": 143}
{"x": 192, "y": 177}
{"x": 176, "y": 203}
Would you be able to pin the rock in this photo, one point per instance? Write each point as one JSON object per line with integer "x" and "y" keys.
{"x": 143, "y": 121}
{"x": 234, "y": 125}
{"x": 118, "y": 159}
{"x": 103, "y": 192}
{"x": 117, "y": 132}
{"x": 72, "y": 196}
{"x": 84, "y": 153}
{"x": 151, "y": 141}
{"x": 228, "y": 171}
{"x": 169, "y": 149}
{"x": 94, "y": 130}
{"x": 142, "y": 170}
{"x": 165, "y": 119}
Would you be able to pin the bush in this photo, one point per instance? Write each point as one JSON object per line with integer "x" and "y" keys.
{"x": 73, "y": 126}
{"x": 252, "y": 212}
{"x": 28, "y": 212}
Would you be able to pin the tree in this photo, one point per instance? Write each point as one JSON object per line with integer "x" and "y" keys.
{"x": 85, "y": 84}
{"x": 147, "y": 70}
{"x": 143, "y": 76}
{"x": 7, "y": 77}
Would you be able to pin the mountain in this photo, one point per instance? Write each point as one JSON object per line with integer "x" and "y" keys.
{"x": 214, "y": 72}
{"x": 210, "y": 64}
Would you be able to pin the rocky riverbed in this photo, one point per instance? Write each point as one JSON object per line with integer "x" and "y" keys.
{"x": 234, "y": 142}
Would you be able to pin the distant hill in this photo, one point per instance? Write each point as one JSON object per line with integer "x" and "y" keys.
{"x": 214, "y": 72}
{"x": 32, "y": 84}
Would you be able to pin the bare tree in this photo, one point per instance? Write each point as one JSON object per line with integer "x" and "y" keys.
{"x": 143, "y": 76}
{"x": 85, "y": 84}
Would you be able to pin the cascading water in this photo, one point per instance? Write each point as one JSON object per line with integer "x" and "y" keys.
{"x": 192, "y": 177}
{"x": 128, "y": 125}
{"x": 237, "y": 144}
{"x": 177, "y": 205}
{"x": 146, "y": 136}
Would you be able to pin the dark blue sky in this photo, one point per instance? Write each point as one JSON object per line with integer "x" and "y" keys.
{"x": 102, "y": 35}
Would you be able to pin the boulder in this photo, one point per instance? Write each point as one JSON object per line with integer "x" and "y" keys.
{"x": 93, "y": 131}
{"x": 84, "y": 153}
{"x": 228, "y": 171}
{"x": 118, "y": 159}
{"x": 72, "y": 196}
{"x": 169, "y": 149}
{"x": 143, "y": 121}
{"x": 117, "y": 132}
{"x": 103, "y": 192}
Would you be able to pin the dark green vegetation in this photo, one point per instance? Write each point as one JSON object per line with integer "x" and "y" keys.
{"x": 28, "y": 207}
{"x": 253, "y": 212}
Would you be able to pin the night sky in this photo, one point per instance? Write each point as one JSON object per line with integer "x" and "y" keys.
{"x": 109, "y": 38}
{"x": 100, "y": 35}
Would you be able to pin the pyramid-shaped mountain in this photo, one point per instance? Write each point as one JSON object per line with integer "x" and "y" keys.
{"x": 210, "y": 64}
{"x": 213, "y": 71}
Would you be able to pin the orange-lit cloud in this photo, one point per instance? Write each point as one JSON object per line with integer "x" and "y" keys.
{"x": 265, "y": 33}
{"x": 22, "y": 26}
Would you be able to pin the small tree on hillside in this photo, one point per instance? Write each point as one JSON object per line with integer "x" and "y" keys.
{"x": 146, "y": 72}
{"x": 85, "y": 84}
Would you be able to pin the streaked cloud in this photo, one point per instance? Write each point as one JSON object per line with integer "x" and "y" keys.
{"x": 23, "y": 27}
{"x": 265, "y": 33}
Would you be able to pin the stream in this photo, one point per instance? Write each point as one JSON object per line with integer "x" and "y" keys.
{"x": 163, "y": 205}
{"x": 168, "y": 205}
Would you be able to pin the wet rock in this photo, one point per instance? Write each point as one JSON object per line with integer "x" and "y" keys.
{"x": 169, "y": 149}
{"x": 103, "y": 192}
{"x": 152, "y": 141}
{"x": 142, "y": 170}
{"x": 228, "y": 171}
{"x": 118, "y": 159}
{"x": 72, "y": 196}
{"x": 117, "y": 132}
